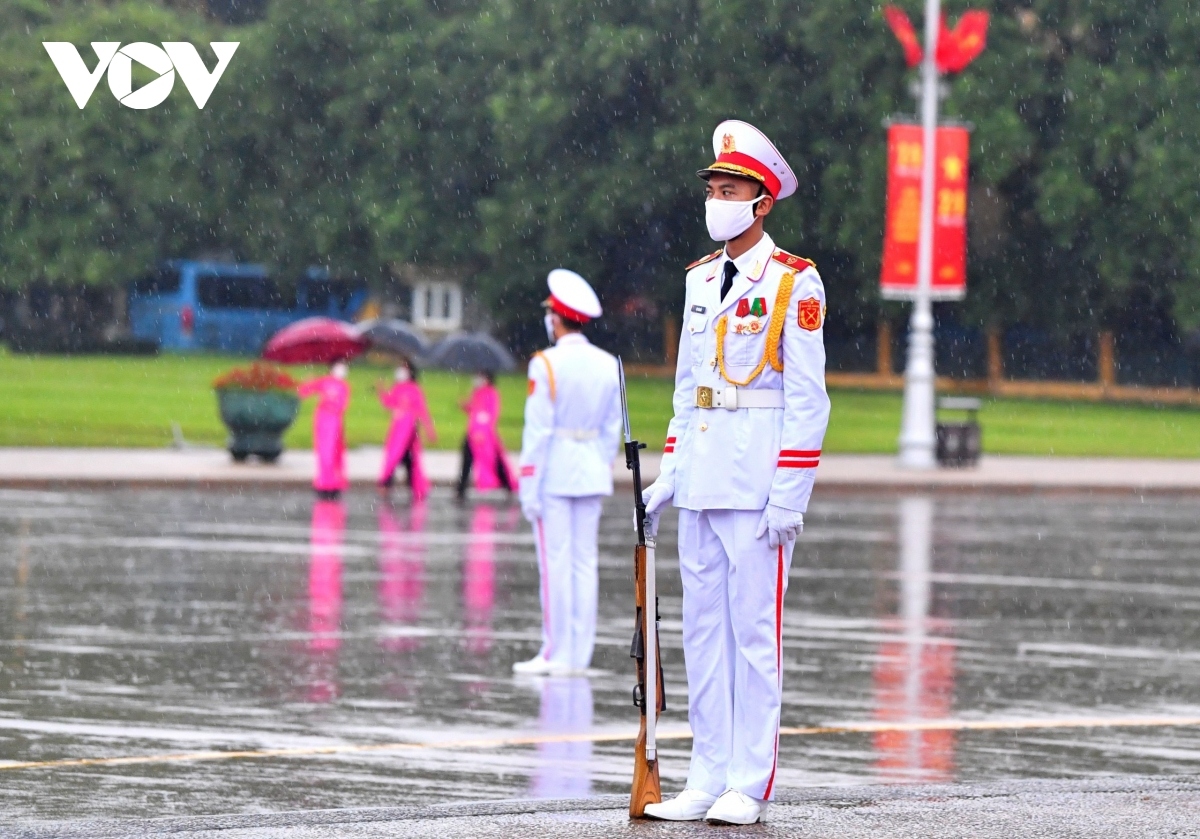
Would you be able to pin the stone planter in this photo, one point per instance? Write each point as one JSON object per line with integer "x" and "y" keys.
{"x": 256, "y": 420}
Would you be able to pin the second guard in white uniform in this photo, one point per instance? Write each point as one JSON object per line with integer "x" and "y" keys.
{"x": 750, "y": 411}
{"x": 572, "y": 427}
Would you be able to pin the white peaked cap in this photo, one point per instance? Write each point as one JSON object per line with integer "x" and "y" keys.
{"x": 743, "y": 150}
{"x": 571, "y": 297}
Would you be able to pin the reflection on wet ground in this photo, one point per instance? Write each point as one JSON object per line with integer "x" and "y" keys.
{"x": 149, "y": 624}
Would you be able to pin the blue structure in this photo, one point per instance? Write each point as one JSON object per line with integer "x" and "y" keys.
{"x": 189, "y": 305}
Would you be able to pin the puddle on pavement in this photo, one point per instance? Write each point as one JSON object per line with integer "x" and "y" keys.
{"x": 137, "y": 623}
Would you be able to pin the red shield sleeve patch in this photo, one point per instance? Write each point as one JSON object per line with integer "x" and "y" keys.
{"x": 808, "y": 313}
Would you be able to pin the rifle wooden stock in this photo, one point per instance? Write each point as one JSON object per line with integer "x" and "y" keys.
{"x": 646, "y": 787}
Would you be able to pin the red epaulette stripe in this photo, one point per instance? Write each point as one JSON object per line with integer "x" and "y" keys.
{"x": 798, "y": 464}
{"x": 800, "y": 453}
{"x": 670, "y": 446}
{"x": 793, "y": 261}
{"x": 704, "y": 259}
{"x": 527, "y": 471}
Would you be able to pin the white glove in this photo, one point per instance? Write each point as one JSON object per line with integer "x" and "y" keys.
{"x": 656, "y": 497}
{"x": 781, "y": 525}
{"x": 531, "y": 508}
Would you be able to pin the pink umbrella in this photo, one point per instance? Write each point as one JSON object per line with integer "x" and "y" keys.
{"x": 314, "y": 341}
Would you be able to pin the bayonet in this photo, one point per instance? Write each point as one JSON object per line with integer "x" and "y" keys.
{"x": 624, "y": 401}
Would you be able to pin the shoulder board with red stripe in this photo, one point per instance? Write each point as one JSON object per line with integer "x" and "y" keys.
{"x": 792, "y": 261}
{"x": 704, "y": 259}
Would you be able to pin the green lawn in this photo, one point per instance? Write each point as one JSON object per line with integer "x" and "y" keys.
{"x": 112, "y": 401}
{"x": 870, "y": 422}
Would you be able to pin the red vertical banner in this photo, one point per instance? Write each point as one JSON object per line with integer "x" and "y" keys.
{"x": 950, "y": 214}
{"x": 898, "y": 279}
{"x": 903, "y": 225}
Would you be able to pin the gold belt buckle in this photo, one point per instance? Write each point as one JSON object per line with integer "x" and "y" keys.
{"x": 704, "y": 397}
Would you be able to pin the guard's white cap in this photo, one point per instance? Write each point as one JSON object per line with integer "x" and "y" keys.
{"x": 571, "y": 297}
{"x": 743, "y": 150}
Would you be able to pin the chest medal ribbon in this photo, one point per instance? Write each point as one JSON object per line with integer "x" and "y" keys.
{"x": 774, "y": 332}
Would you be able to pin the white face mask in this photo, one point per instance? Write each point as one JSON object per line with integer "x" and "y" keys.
{"x": 729, "y": 219}
{"x": 340, "y": 371}
{"x": 478, "y": 381}
{"x": 548, "y": 320}
{"x": 402, "y": 374}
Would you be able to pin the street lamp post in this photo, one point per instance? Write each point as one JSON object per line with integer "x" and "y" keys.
{"x": 917, "y": 436}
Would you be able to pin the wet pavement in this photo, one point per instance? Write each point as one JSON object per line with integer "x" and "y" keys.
{"x": 1131, "y": 808}
{"x": 211, "y": 468}
{"x": 181, "y": 653}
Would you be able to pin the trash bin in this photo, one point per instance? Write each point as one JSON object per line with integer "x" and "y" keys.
{"x": 959, "y": 443}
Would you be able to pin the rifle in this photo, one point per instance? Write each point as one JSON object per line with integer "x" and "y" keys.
{"x": 648, "y": 694}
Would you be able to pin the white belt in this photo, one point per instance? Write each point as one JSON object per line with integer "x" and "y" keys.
{"x": 581, "y": 434}
{"x": 732, "y": 398}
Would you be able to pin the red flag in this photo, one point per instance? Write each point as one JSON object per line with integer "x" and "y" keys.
{"x": 945, "y": 46}
{"x": 902, "y": 28}
{"x": 958, "y": 48}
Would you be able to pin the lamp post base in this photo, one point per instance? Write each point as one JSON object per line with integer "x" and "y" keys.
{"x": 918, "y": 436}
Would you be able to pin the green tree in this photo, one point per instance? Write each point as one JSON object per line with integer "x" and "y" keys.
{"x": 352, "y": 136}
{"x": 505, "y": 137}
{"x": 84, "y": 194}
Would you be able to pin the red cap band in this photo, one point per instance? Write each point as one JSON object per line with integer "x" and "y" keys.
{"x": 736, "y": 163}
{"x": 564, "y": 311}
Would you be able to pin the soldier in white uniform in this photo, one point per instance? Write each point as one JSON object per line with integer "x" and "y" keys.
{"x": 740, "y": 460}
{"x": 572, "y": 426}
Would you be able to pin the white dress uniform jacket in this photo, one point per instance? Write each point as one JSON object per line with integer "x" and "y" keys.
{"x": 572, "y": 424}
{"x": 572, "y": 421}
{"x": 743, "y": 459}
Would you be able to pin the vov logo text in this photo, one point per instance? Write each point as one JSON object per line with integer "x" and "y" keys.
{"x": 171, "y": 58}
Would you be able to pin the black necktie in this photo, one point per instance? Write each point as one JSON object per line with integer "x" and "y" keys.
{"x": 727, "y": 283}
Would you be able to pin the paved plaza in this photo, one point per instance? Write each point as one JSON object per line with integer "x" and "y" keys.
{"x": 244, "y": 661}
{"x": 210, "y": 466}
{"x": 1130, "y": 808}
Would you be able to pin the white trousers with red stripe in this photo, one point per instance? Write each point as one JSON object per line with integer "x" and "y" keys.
{"x": 568, "y": 562}
{"x": 733, "y": 587}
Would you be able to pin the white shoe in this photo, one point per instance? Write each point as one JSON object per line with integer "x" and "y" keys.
{"x": 735, "y": 807}
{"x": 538, "y": 666}
{"x": 689, "y": 806}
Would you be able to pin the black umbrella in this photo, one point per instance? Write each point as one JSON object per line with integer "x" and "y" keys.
{"x": 470, "y": 352}
{"x": 394, "y": 336}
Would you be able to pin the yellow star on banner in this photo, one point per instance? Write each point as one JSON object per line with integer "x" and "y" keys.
{"x": 952, "y": 168}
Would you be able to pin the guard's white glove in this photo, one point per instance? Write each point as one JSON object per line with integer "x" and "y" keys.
{"x": 780, "y": 524}
{"x": 656, "y": 497}
{"x": 531, "y": 509}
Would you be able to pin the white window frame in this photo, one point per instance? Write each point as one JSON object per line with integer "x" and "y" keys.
{"x": 445, "y": 300}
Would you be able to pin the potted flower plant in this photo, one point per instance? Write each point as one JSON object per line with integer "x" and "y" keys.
{"x": 257, "y": 405}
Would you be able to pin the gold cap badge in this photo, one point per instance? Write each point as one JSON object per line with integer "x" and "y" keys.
{"x": 727, "y": 144}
